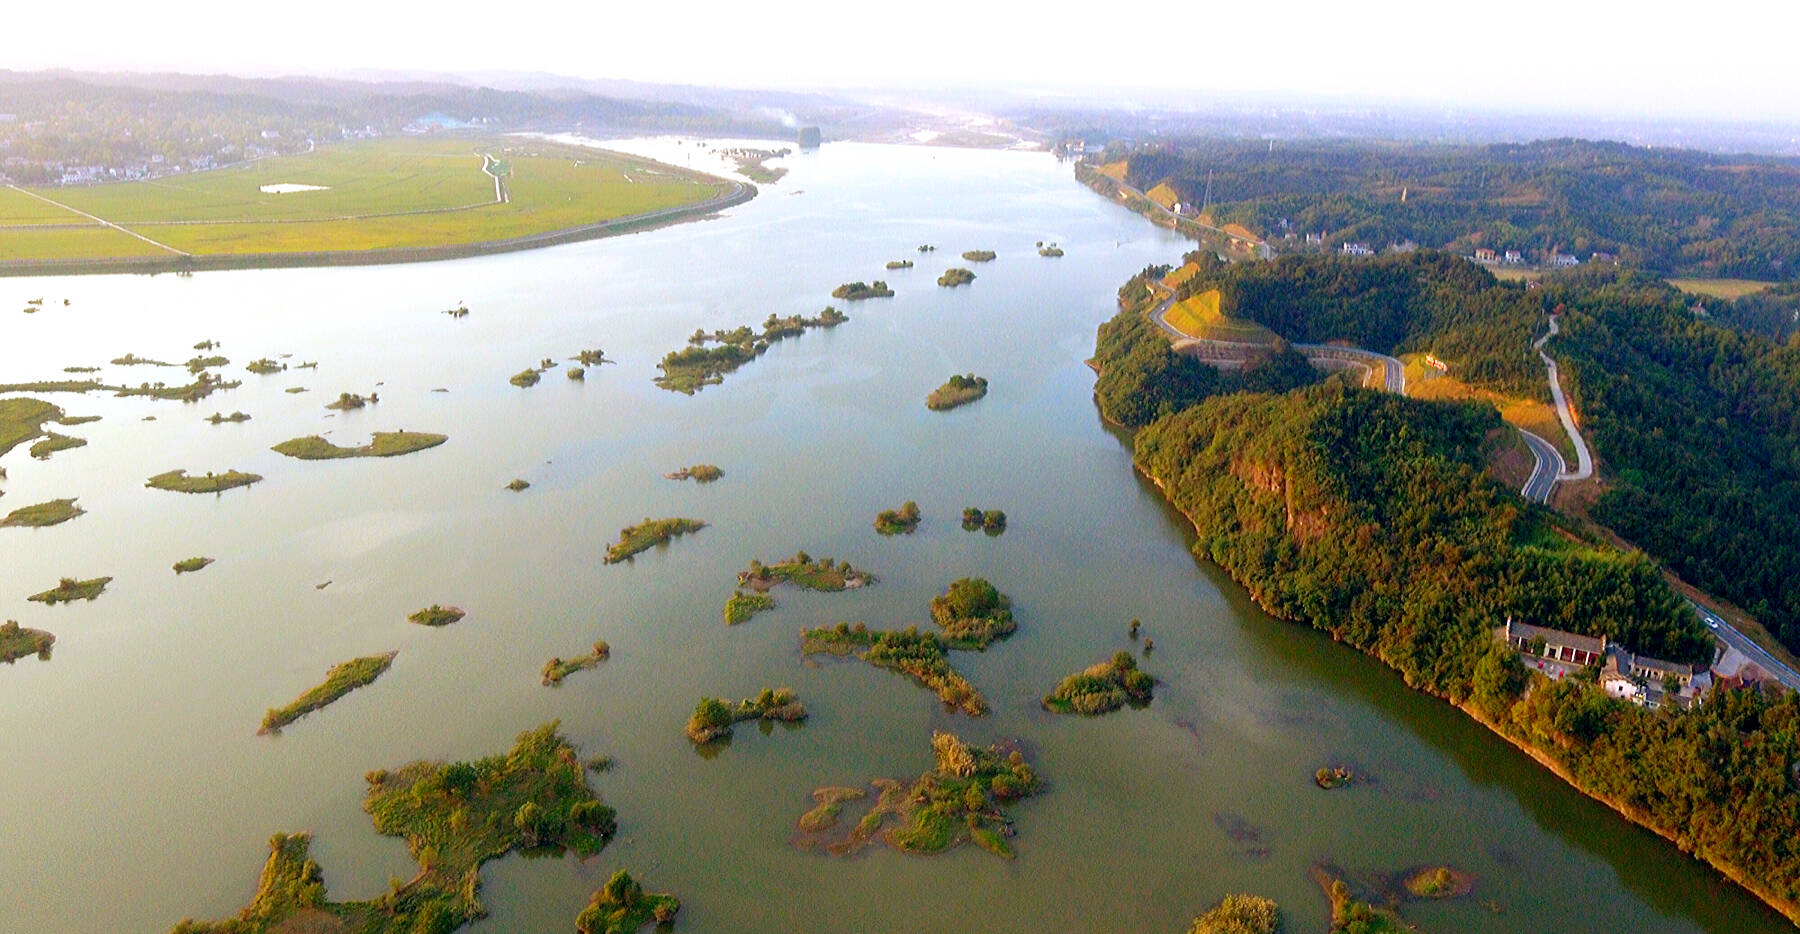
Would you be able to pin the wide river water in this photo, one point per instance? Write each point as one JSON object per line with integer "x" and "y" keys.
{"x": 138, "y": 793}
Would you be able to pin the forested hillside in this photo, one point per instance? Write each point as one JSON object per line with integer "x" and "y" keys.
{"x": 1665, "y": 209}
{"x": 1399, "y": 303}
{"x": 1698, "y": 429}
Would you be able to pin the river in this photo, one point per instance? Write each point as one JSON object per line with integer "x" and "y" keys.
{"x": 139, "y": 793}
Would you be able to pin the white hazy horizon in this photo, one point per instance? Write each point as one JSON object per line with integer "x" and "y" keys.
{"x": 1727, "y": 60}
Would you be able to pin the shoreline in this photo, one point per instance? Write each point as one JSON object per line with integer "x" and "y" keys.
{"x": 736, "y": 193}
{"x": 1788, "y": 908}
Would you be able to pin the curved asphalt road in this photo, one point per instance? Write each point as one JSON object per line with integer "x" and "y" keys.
{"x": 1545, "y": 472}
{"x": 1742, "y": 643}
{"x": 1584, "y": 461}
{"x": 1392, "y": 369}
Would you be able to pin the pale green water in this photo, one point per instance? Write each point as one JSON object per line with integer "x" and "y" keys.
{"x": 139, "y": 793}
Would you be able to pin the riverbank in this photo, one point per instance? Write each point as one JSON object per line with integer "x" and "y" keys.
{"x": 1788, "y": 907}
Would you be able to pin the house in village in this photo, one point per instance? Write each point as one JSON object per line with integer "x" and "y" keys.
{"x": 1486, "y": 257}
{"x": 1356, "y": 249}
{"x": 1554, "y": 643}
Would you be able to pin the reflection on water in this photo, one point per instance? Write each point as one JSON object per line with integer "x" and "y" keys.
{"x": 142, "y": 794}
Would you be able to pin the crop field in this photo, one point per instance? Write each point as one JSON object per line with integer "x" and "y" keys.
{"x": 371, "y": 195}
{"x": 1720, "y": 288}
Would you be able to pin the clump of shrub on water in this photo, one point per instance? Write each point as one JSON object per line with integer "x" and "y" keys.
{"x": 900, "y": 521}
{"x": 857, "y": 291}
{"x": 958, "y": 801}
{"x": 190, "y": 565}
{"x": 697, "y": 366}
{"x": 648, "y": 534}
{"x": 42, "y": 515}
{"x": 699, "y": 473}
{"x": 622, "y": 906}
{"x": 556, "y": 669}
{"x": 435, "y": 615}
{"x": 955, "y": 276}
{"x": 16, "y": 642}
{"x": 454, "y": 818}
{"x": 178, "y": 481}
{"x": 340, "y": 680}
{"x": 958, "y": 390}
{"x": 1102, "y": 688}
{"x": 69, "y": 589}
{"x": 713, "y": 718}
{"x": 991, "y": 521}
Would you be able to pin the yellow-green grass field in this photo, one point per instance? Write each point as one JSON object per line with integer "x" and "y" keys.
{"x": 369, "y": 188}
{"x": 1720, "y": 288}
{"x": 17, "y": 207}
{"x": 1199, "y": 316}
{"x": 1535, "y": 416}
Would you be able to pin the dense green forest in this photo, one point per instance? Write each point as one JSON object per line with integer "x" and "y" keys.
{"x": 1665, "y": 209}
{"x": 1367, "y": 515}
{"x": 1773, "y": 312}
{"x": 1420, "y": 301}
{"x": 1698, "y": 426}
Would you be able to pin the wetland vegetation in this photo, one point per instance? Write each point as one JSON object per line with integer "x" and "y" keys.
{"x": 713, "y": 718}
{"x": 454, "y": 818}
{"x": 381, "y": 444}
{"x": 622, "y": 906}
{"x": 1102, "y": 688}
{"x": 435, "y": 615}
{"x": 262, "y": 367}
{"x": 993, "y": 521}
{"x": 955, "y": 276}
{"x": 234, "y": 418}
{"x": 1049, "y": 250}
{"x": 900, "y": 521}
{"x": 648, "y": 534}
{"x": 960, "y": 800}
{"x": 857, "y": 291}
{"x": 699, "y": 473}
{"x": 900, "y": 264}
{"x": 69, "y": 589}
{"x": 957, "y": 390}
{"x": 973, "y": 614}
{"x": 741, "y": 606}
{"x": 697, "y": 366}
{"x": 23, "y": 419}
{"x": 979, "y": 256}
{"x": 1240, "y": 914}
{"x": 1334, "y": 776}
{"x": 340, "y": 680}
{"x": 54, "y": 442}
{"x": 920, "y": 656}
{"x": 190, "y": 565}
{"x": 347, "y": 401}
{"x": 42, "y": 515}
{"x": 178, "y": 481}
{"x": 805, "y": 572}
{"x": 518, "y": 485}
{"x": 16, "y": 642}
{"x": 558, "y": 668}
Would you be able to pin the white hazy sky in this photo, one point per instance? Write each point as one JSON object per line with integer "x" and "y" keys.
{"x": 1727, "y": 59}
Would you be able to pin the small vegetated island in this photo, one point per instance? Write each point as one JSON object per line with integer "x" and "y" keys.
{"x": 1103, "y": 688}
{"x": 23, "y": 419}
{"x": 697, "y": 366}
{"x": 857, "y": 291}
{"x": 558, "y": 668}
{"x": 648, "y": 534}
{"x": 190, "y": 565}
{"x": 178, "y": 481}
{"x": 973, "y": 616}
{"x": 1049, "y": 250}
{"x": 957, "y": 390}
{"x": 349, "y": 401}
{"x": 802, "y": 571}
{"x": 16, "y": 642}
{"x": 699, "y": 473}
{"x": 1334, "y": 776}
{"x": 235, "y": 417}
{"x": 525, "y": 379}
{"x": 991, "y": 521}
{"x": 262, "y": 367}
{"x": 960, "y": 800}
{"x": 622, "y": 906}
{"x": 713, "y": 718}
{"x": 382, "y": 444}
{"x": 340, "y": 680}
{"x": 454, "y": 818}
{"x": 204, "y": 385}
{"x": 54, "y": 442}
{"x": 955, "y": 276}
{"x": 42, "y": 515}
{"x": 900, "y": 264}
{"x": 900, "y": 521}
{"x": 69, "y": 589}
{"x": 1240, "y": 914}
{"x": 979, "y": 256}
{"x": 435, "y": 616}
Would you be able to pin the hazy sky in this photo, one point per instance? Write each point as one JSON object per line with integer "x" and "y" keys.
{"x": 1730, "y": 59}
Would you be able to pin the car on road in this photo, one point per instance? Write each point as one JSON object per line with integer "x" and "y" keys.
{"x": 1712, "y": 623}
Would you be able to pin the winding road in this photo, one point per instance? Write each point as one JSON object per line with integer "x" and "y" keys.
{"x": 1545, "y": 472}
{"x": 1584, "y": 460}
{"x": 1330, "y": 354}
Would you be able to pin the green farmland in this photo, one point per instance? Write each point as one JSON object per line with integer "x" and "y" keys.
{"x": 416, "y": 194}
